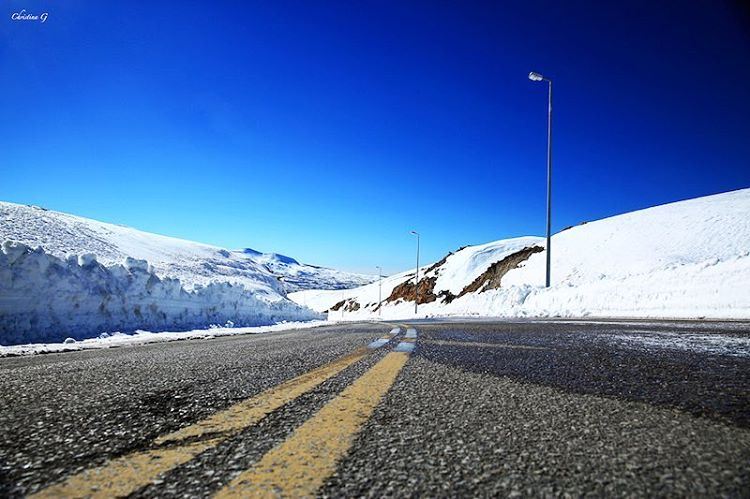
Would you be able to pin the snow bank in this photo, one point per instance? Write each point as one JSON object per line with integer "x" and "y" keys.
{"x": 106, "y": 340}
{"x": 44, "y": 298}
{"x": 688, "y": 259}
{"x": 720, "y": 291}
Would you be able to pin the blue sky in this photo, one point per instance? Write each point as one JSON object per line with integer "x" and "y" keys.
{"x": 328, "y": 130}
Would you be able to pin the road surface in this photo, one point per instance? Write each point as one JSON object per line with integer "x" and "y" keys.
{"x": 608, "y": 408}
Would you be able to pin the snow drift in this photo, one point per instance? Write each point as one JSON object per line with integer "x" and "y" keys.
{"x": 44, "y": 298}
{"x": 686, "y": 259}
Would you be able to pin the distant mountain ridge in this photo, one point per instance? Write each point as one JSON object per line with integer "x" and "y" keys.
{"x": 271, "y": 256}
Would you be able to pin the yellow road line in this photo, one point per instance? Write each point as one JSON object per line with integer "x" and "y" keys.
{"x": 127, "y": 474}
{"x": 301, "y": 464}
{"x": 481, "y": 345}
{"x": 250, "y": 411}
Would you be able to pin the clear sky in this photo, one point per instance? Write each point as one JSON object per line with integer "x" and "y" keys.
{"x": 327, "y": 130}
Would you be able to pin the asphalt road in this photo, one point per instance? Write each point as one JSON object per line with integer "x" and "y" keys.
{"x": 524, "y": 408}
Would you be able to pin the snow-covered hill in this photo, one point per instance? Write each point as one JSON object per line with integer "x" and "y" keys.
{"x": 66, "y": 276}
{"x": 193, "y": 263}
{"x": 685, "y": 259}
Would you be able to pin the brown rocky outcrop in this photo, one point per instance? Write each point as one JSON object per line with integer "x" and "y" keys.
{"x": 490, "y": 278}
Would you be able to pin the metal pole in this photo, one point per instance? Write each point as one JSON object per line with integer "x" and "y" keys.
{"x": 416, "y": 289}
{"x": 380, "y": 288}
{"x": 549, "y": 182}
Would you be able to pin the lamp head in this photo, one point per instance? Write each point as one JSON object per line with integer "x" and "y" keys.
{"x": 535, "y": 76}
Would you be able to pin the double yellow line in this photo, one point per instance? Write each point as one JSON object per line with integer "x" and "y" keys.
{"x": 296, "y": 467}
{"x": 302, "y": 463}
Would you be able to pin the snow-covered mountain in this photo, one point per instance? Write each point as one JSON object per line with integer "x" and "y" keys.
{"x": 685, "y": 259}
{"x": 193, "y": 263}
{"x": 297, "y": 276}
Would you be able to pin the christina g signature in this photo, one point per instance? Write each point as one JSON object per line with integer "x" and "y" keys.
{"x": 25, "y": 16}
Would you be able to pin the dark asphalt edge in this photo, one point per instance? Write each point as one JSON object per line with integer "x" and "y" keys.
{"x": 389, "y": 432}
{"x": 693, "y": 409}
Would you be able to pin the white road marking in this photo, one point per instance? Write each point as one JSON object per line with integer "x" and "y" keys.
{"x": 378, "y": 343}
{"x": 385, "y": 339}
{"x": 405, "y": 347}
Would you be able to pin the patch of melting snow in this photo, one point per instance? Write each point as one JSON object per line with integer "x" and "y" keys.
{"x": 404, "y": 347}
{"x": 736, "y": 346}
{"x": 379, "y": 343}
{"x": 686, "y": 324}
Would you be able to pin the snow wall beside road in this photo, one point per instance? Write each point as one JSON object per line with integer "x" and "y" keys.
{"x": 48, "y": 299}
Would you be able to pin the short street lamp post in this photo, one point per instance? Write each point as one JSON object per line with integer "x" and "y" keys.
{"x": 380, "y": 289}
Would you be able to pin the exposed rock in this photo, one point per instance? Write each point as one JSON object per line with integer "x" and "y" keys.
{"x": 446, "y": 296}
{"x": 352, "y": 306}
{"x": 349, "y": 305}
{"x": 405, "y": 291}
{"x": 491, "y": 277}
{"x": 435, "y": 265}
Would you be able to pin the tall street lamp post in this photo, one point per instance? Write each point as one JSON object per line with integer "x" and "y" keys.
{"x": 416, "y": 277}
{"x": 380, "y": 289}
{"x": 537, "y": 77}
